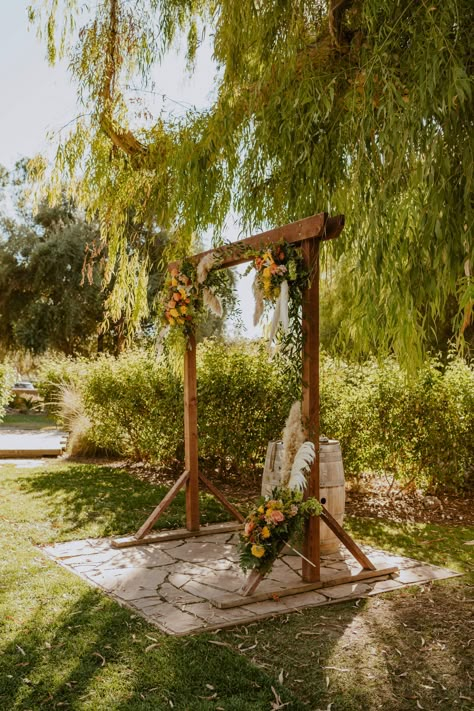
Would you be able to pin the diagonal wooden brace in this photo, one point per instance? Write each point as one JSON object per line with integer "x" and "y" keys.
{"x": 164, "y": 503}
{"x": 220, "y": 497}
{"x": 344, "y": 537}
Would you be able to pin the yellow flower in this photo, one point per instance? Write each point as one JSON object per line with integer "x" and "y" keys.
{"x": 267, "y": 273}
{"x": 174, "y": 282}
{"x": 174, "y": 313}
{"x": 258, "y": 551}
{"x": 261, "y": 509}
{"x": 171, "y": 321}
{"x": 183, "y": 309}
{"x": 266, "y": 532}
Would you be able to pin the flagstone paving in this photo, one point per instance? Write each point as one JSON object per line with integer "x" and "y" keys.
{"x": 176, "y": 585}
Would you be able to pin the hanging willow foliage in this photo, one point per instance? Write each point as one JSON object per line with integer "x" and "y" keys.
{"x": 356, "y": 106}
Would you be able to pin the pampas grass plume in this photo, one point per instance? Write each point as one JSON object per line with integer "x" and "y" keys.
{"x": 212, "y": 302}
{"x": 204, "y": 267}
{"x": 301, "y": 465}
{"x": 293, "y": 438}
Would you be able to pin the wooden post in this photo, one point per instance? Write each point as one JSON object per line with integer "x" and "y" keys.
{"x": 191, "y": 436}
{"x": 310, "y": 402}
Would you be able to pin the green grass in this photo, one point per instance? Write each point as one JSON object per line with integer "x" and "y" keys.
{"x": 27, "y": 422}
{"x": 408, "y": 649}
{"x": 66, "y": 645}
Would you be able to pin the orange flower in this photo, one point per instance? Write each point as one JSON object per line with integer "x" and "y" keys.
{"x": 177, "y": 296}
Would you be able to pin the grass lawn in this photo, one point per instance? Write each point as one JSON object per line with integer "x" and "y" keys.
{"x": 27, "y": 422}
{"x": 66, "y": 645}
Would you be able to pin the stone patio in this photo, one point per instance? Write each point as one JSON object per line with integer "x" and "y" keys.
{"x": 178, "y": 585}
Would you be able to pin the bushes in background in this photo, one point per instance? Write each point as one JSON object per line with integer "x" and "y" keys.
{"x": 243, "y": 403}
{"x": 419, "y": 429}
{"x": 7, "y": 377}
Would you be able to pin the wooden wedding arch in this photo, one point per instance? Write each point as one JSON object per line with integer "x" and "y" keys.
{"x": 308, "y": 233}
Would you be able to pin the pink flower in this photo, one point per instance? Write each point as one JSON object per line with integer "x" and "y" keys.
{"x": 249, "y": 526}
{"x": 277, "y": 516}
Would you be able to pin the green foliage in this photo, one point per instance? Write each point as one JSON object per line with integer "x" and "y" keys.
{"x": 243, "y": 403}
{"x": 55, "y": 371}
{"x": 135, "y": 406}
{"x": 417, "y": 429}
{"x": 56, "y": 281}
{"x": 363, "y": 107}
{"x": 6, "y": 381}
{"x": 45, "y": 299}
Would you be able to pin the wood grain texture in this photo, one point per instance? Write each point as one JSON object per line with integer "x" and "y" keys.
{"x": 318, "y": 226}
{"x": 191, "y": 436}
{"x": 310, "y": 404}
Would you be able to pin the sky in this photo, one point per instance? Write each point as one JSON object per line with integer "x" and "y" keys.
{"x": 38, "y": 102}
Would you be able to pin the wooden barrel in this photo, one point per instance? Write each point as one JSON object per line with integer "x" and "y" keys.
{"x": 272, "y": 469}
{"x": 331, "y": 490}
{"x": 331, "y": 483}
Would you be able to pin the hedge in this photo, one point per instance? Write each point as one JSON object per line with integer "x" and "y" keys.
{"x": 7, "y": 378}
{"x": 417, "y": 429}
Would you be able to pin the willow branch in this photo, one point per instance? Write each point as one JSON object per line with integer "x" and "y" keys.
{"x": 121, "y": 138}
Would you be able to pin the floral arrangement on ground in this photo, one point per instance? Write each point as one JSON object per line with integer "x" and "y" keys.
{"x": 274, "y": 521}
{"x": 279, "y": 518}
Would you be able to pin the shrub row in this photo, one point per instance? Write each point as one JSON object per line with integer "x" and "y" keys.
{"x": 7, "y": 377}
{"x": 418, "y": 429}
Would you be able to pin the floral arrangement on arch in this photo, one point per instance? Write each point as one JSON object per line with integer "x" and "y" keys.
{"x": 280, "y": 274}
{"x": 279, "y": 518}
{"x": 192, "y": 289}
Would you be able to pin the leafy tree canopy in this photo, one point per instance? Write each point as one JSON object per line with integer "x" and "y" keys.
{"x": 355, "y": 106}
{"x": 52, "y": 266}
{"x": 43, "y": 300}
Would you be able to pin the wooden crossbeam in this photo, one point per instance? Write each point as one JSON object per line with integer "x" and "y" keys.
{"x": 318, "y": 226}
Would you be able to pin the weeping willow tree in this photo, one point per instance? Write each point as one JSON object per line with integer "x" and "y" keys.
{"x": 355, "y": 106}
